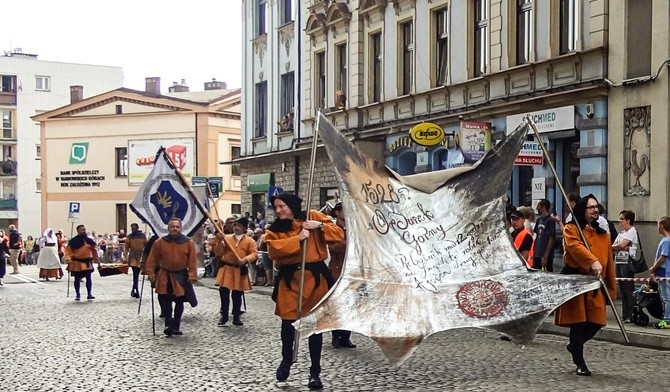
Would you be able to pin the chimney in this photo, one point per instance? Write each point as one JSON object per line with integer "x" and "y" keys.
{"x": 214, "y": 85}
{"x": 153, "y": 86}
{"x": 76, "y": 93}
{"x": 179, "y": 88}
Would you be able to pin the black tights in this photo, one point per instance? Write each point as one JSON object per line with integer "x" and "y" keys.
{"x": 136, "y": 277}
{"x": 315, "y": 344}
{"x": 225, "y": 295}
{"x": 581, "y": 333}
{"x": 77, "y": 282}
{"x": 172, "y": 321}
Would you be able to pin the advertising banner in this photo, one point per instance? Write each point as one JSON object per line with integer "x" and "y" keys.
{"x": 475, "y": 140}
{"x": 142, "y": 153}
{"x": 530, "y": 155}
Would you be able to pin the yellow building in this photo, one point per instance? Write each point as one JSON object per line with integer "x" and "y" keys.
{"x": 96, "y": 152}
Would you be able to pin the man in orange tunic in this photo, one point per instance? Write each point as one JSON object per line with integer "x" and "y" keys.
{"x": 79, "y": 254}
{"x": 236, "y": 251}
{"x": 172, "y": 268}
{"x": 285, "y": 238}
{"x": 132, "y": 254}
{"x": 586, "y": 313}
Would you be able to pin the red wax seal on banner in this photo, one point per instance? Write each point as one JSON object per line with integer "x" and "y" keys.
{"x": 482, "y": 299}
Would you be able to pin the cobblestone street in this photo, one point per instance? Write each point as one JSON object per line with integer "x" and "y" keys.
{"x": 52, "y": 343}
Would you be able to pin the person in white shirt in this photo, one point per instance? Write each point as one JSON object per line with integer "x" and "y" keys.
{"x": 626, "y": 244}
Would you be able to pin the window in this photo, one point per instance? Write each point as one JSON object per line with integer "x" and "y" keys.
{"x": 321, "y": 79}
{"x": 328, "y": 194}
{"x": 38, "y": 185}
{"x": 524, "y": 31}
{"x": 638, "y": 38}
{"x": 481, "y": 37}
{"x": 569, "y": 20}
{"x": 287, "y": 93}
{"x": 121, "y": 154}
{"x": 261, "y": 109}
{"x": 38, "y": 151}
{"x": 42, "y": 83}
{"x": 376, "y": 54}
{"x": 341, "y": 60}
{"x": 119, "y": 109}
{"x": 442, "y": 39}
{"x": 235, "y": 154}
{"x": 8, "y": 83}
{"x": 236, "y": 209}
{"x": 262, "y": 7}
{"x": 122, "y": 216}
{"x": 7, "y": 124}
{"x": 407, "y": 62}
{"x": 286, "y": 11}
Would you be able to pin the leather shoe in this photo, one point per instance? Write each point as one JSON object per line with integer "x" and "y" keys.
{"x": 237, "y": 321}
{"x": 336, "y": 343}
{"x": 347, "y": 344}
{"x": 283, "y": 370}
{"x": 569, "y": 348}
{"x": 167, "y": 331}
{"x": 582, "y": 371}
{"x": 314, "y": 383}
{"x": 222, "y": 321}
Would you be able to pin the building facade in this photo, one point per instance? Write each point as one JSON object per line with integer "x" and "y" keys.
{"x": 638, "y": 113}
{"x": 96, "y": 152}
{"x": 29, "y": 87}
{"x": 377, "y": 68}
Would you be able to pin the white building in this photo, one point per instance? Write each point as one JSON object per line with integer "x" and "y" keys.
{"x": 29, "y": 87}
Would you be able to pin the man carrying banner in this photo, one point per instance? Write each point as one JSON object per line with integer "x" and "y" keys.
{"x": 132, "y": 254}
{"x": 236, "y": 251}
{"x": 79, "y": 254}
{"x": 285, "y": 238}
{"x": 586, "y": 313}
{"x": 172, "y": 268}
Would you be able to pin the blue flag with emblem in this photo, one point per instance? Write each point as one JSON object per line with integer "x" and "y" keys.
{"x": 164, "y": 196}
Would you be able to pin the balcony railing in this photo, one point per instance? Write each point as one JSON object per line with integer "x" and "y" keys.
{"x": 7, "y": 204}
{"x": 8, "y": 98}
{"x": 8, "y": 134}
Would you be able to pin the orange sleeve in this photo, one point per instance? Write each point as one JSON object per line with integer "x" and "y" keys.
{"x": 582, "y": 258}
{"x": 280, "y": 248}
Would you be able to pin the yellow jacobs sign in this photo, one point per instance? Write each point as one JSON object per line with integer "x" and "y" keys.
{"x": 427, "y": 134}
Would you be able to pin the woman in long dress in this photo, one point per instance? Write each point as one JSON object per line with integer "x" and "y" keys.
{"x": 48, "y": 260}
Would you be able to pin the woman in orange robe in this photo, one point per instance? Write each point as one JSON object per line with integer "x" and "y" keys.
{"x": 586, "y": 313}
{"x": 284, "y": 238}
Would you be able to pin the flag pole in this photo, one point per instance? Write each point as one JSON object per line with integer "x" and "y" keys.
{"x": 310, "y": 185}
{"x": 603, "y": 287}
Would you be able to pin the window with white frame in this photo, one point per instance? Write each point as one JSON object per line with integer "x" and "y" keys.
{"x": 287, "y": 8}
{"x": 42, "y": 83}
{"x": 341, "y": 61}
{"x": 481, "y": 41}
{"x": 524, "y": 31}
{"x": 121, "y": 154}
{"x": 287, "y": 94}
{"x": 442, "y": 45}
{"x": 376, "y": 68}
{"x": 320, "y": 80}
{"x": 7, "y": 124}
{"x": 569, "y": 26}
{"x": 38, "y": 185}
{"x": 38, "y": 151}
{"x": 261, "y": 109}
{"x": 407, "y": 62}
{"x": 261, "y": 15}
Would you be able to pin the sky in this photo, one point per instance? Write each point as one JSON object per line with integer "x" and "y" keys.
{"x": 194, "y": 40}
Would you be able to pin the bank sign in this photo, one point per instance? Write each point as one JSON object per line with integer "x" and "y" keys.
{"x": 558, "y": 119}
{"x": 78, "y": 153}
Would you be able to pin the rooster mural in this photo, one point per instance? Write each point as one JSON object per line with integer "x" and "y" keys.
{"x": 637, "y": 131}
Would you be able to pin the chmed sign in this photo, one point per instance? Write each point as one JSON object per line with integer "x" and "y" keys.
{"x": 430, "y": 252}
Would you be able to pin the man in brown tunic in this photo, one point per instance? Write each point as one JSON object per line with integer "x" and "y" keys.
{"x": 132, "y": 254}
{"x": 79, "y": 254}
{"x": 285, "y": 238}
{"x": 236, "y": 251}
{"x": 172, "y": 268}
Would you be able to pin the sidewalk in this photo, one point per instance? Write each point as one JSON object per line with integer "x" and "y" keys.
{"x": 639, "y": 336}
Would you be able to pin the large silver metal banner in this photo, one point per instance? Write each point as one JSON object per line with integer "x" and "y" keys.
{"x": 431, "y": 252}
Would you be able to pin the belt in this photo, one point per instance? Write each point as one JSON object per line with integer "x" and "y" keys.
{"x": 49, "y": 244}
